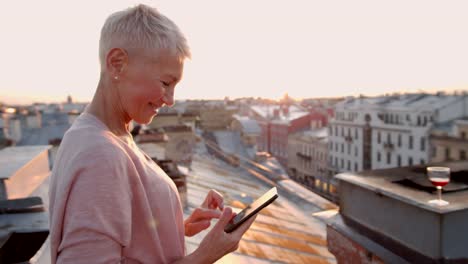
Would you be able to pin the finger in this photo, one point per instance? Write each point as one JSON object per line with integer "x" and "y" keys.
{"x": 195, "y": 228}
{"x": 224, "y": 219}
{"x": 219, "y": 199}
{"x": 203, "y": 214}
{"x": 215, "y": 200}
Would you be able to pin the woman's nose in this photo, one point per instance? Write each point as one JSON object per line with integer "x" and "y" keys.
{"x": 168, "y": 97}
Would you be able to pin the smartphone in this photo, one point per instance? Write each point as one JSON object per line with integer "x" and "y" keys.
{"x": 251, "y": 210}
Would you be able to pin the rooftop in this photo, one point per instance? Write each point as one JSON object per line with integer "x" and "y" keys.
{"x": 268, "y": 111}
{"x": 288, "y": 231}
{"x": 284, "y": 232}
{"x": 248, "y": 125}
{"x": 12, "y": 159}
{"x": 403, "y": 102}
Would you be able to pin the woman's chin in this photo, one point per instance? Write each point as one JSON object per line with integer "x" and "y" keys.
{"x": 144, "y": 120}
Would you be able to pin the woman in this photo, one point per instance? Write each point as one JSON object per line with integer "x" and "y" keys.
{"x": 108, "y": 202}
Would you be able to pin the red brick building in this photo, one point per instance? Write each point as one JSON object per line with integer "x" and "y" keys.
{"x": 278, "y": 121}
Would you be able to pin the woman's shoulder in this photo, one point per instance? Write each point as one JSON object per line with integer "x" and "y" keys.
{"x": 91, "y": 145}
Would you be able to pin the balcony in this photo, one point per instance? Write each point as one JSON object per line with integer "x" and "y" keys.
{"x": 348, "y": 139}
{"x": 303, "y": 156}
{"x": 389, "y": 146}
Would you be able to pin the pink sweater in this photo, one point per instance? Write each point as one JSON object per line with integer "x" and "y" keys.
{"x": 110, "y": 203}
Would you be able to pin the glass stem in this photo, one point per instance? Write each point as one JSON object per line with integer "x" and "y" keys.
{"x": 439, "y": 192}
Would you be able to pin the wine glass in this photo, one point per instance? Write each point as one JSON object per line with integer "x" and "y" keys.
{"x": 439, "y": 177}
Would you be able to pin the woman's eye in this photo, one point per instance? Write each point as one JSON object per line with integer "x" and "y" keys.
{"x": 165, "y": 83}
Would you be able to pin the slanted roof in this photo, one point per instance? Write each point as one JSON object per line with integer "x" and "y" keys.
{"x": 268, "y": 111}
{"x": 249, "y": 126}
{"x": 404, "y": 102}
{"x": 285, "y": 231}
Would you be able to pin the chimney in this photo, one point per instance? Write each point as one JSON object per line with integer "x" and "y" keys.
{"x": 285, "y": 109}
{"x": 276, "y": 113}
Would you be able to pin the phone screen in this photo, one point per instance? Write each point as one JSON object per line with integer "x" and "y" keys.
{"x": 252, "y": 209}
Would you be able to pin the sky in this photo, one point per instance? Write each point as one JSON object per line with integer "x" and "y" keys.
{"x": 247, "y": 48}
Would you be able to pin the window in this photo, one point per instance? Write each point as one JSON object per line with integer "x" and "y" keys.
{"x": 342, "y": 163}
{"x": 355, "y": 151}
{"x": 378, "y": 137}
{"x": 336, "y": 147}
{"x": 317, "y": 183}
{"x": 423, "y": 144}
{"x": 422, "y": 162}
{"x": 349, "y": 165}
{"x": 356, "y": 134}
{"x": 410, "y": 142}
{"x": 389, "y": 158}
{"x": 399, "y": 140}
{"x": 342, "y": 147}
{"x": 463, "y": 135}
{"x": 389, "y": 138}
{"x": 336, "y": 162}
{"x": 336, "y": 130}
{"x": 342, "y": 131}
{"x": 399, "y": 161}
{"x": 349, "y": 132}
{"x": 419, "y": 120}
{"x": 447, "y": 153}
{"x": 355, "y": 167}
{"x": 349, "y": 149}
{"x": 378, "y": 156}
{"x": 410, "y": 161}
{"x": 462, "y": 155}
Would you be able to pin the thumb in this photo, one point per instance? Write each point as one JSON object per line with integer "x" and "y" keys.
{"x": 224, "y": 219}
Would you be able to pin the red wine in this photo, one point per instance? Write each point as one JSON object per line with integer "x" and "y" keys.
{"x": 439, "y": 181}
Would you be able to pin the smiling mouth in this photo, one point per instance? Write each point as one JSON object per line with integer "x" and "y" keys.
{"x": 155, "y": 107}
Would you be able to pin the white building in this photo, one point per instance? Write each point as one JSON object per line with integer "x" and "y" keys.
{"x": 391, "y": 131}
{"x": 449, "y": 141}
{"x": 73, "y": 107}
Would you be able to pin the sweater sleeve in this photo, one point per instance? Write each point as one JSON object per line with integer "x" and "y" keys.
{"x": 98, "y": 212}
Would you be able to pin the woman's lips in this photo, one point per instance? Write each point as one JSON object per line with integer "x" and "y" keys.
{"x": 155, "y": 107}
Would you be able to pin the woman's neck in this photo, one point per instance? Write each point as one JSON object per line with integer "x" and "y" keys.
{"x": 106, "y": 106}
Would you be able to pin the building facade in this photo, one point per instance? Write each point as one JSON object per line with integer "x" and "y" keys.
{"x": 449, "y": 141}
{"x": 308, "y": 161}
{"x": 386, "y": 132}
{"x": 277, "y": 122}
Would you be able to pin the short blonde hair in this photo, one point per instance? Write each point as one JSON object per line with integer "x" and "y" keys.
{"x": 141, "y": 28}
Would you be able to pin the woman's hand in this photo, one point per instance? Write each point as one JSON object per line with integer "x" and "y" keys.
{"x": 200, "y": 219}
{"x": 213, "y": 200}
{"x": 218, "y": 243}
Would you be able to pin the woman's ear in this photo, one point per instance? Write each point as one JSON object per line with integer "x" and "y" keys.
{"x": 116, "y": 61}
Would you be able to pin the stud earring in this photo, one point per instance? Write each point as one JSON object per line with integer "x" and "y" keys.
{"x": 116, "y": 77}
